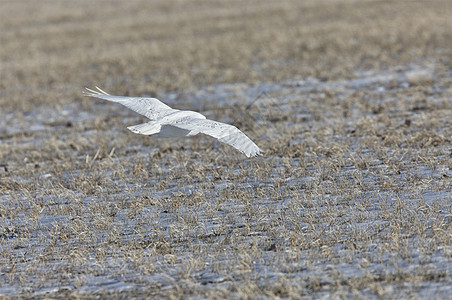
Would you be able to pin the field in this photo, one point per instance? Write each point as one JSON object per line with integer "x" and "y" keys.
{"x": 351, "y": 102}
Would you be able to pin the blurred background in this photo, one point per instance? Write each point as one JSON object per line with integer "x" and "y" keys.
{"x": 50, "y": 50}
{"x": 349, "y": 100}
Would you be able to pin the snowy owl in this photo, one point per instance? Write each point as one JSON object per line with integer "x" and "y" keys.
{"x": 168, "y": 122}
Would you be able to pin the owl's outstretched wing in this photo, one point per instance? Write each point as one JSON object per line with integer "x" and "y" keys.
{"x": 225, "y": 133}
{"x": 151, "y": 108}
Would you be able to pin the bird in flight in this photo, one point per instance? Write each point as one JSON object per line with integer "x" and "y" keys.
{"x": 168, "y": 122}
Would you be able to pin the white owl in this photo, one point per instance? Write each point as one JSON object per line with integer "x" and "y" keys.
{"x": 167, "y": 122}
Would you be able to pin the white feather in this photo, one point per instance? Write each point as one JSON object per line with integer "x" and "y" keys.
{"x": 168, "y": 122}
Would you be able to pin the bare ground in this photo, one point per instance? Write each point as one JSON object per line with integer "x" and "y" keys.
{"x": 351, "y": 102}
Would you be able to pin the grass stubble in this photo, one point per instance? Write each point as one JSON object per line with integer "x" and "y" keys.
{"x": 351, "y": 102}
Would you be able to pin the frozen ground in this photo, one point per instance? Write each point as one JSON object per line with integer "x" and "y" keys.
{"x": 350, "y": 101}
{"x": 343, "y": 203}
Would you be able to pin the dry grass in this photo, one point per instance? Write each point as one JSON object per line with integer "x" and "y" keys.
{"x": 350, "y": 100}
